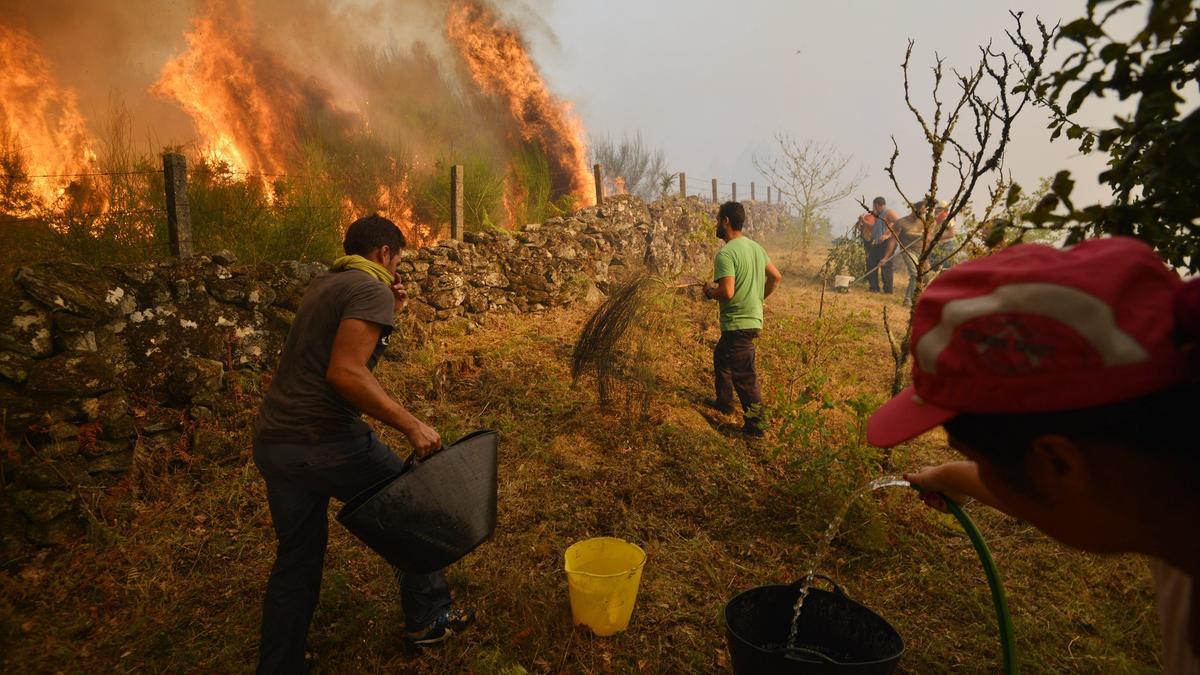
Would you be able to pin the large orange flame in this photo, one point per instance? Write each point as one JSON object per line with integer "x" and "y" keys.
{"x": 242, "y": 99}
{"x": 499, "y": 63}
{"x": 248, "y": 106}
{"x": 40, "y": 118}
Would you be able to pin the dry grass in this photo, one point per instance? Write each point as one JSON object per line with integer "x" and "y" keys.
{"x": 178, "y": 587}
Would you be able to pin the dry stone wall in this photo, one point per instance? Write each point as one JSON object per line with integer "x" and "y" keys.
{"x": 108, "y": 371}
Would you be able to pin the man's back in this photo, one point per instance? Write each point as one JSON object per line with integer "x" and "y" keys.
{"x": 301, "y": 405}
{"x": 746, "y": 261}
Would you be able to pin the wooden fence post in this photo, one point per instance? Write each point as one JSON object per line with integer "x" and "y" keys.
{"x": 734, "y": 197}
{"x": 714, "y": 190}
{"x": 751, "y": 190}
{"x": 768, "y": 194}
{"x": 598, "y": 174}
{"x": 179, "y": 219}
{"x": 683, "y": 185}
{"x": 456, "y": 202}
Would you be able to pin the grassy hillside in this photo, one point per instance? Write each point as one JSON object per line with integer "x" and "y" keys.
{"x": 178, "y": 587}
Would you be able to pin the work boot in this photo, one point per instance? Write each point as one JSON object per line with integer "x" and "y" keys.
{"x": 446, "y": 625}
{"x": 752, "y": 430}
{"x": 716, "y": 405}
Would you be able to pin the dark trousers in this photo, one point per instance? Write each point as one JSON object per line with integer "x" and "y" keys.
{"x": 300, "y": 480}
{"x": 875, "y": 258}
{"x": 733, "y": 363}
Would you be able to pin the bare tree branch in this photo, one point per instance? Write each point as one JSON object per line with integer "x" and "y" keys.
{"x": 811, "y": 175}
{"x": 976, "y": 152}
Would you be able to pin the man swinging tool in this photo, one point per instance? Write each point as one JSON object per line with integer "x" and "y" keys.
{"x": 744, "y": 278}
{"x": 311, "y": 442}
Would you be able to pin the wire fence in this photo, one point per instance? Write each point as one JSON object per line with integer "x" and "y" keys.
{"x": 131, "y": 208}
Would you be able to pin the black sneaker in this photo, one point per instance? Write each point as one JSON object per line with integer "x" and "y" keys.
{"x": 753, "y": 431}
{"x": 712, "y": 404}
{"x": 450, "y": 622}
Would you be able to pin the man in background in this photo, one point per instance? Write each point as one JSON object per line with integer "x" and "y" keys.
{"x": 881, "y": 247}
{"x": 913, "y": 232}
{"x": 744, "y": 277}
{"x": 945, "y": 247}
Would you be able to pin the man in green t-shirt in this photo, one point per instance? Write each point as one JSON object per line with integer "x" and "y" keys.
{"x": 744, "y": 277}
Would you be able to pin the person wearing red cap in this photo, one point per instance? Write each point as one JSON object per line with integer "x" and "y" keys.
{"x": 1069, "y": 380}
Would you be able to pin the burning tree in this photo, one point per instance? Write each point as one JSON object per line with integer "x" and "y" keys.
{"x": 986, "y": 106}
{"x": 811, "y": 176}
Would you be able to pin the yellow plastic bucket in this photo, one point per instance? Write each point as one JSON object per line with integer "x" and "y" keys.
{"x": 602, "y": 578}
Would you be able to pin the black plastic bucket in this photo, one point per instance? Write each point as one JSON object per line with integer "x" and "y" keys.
{"x": 434, "y": 512}
{"x": 837, "y": 635}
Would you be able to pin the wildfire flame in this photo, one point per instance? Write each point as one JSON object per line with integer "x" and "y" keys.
{"x": 247, "y": 104}
{"x": 496, "y": 57}
{"x": 40, "y": 118}
{"x": 393, "y": 202}
{"x": 242, "y": 99}
{"x": 259, "y": 115}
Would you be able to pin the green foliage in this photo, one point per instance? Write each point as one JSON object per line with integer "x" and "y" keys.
{"x": 530, "y": 174}
{"x": 483, "y": 192}
{"x": 291, "y": 219}
{"x": 846, "y": 256}
{"x": 816, "y": 422}
{"x": 1153, "y": 162}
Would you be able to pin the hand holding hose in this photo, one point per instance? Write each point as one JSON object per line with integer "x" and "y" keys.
{"x": 936, "y": 487}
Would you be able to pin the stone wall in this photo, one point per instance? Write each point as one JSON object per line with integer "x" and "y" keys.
{"x": 106, "y": 373}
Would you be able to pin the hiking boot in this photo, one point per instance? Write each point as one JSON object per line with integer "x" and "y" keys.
{"x": 447, "y": 624}
{"x": 752, "y": 430}
{"x": 714, "y": 405}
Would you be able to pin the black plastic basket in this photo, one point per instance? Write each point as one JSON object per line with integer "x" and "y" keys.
{"x": 836, "y": 634}
{"x": 435, "y": 511}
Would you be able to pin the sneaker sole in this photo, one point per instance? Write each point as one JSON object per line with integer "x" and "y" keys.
{"x": 432, "y": 641}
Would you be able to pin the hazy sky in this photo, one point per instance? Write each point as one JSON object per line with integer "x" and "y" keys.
{"x": 711, "y": 82}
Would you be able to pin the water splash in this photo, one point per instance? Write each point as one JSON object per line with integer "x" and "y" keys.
{"x": 827, "y": 541}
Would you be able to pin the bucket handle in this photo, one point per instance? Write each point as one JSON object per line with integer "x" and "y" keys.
{"x": 799, "y": 583}
{"x": 413, "y": 460}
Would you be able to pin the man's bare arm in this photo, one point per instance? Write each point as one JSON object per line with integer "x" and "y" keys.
{"x": 773, "y": 279}
{"x": 722, "y": 290}
{"x": 349, "y": 376}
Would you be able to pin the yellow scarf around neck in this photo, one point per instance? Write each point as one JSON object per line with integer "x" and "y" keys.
{"x": 357, "y": 262}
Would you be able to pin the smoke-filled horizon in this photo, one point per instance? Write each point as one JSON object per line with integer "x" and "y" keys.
{"x": 263, "y": 86}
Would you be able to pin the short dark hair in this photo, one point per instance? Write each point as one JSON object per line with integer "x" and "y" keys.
{"x": 735, "y": 213}
{"x": 1157, "y": 425}
{"x": 369, "y": 233}
{"x": 879, "y": 200}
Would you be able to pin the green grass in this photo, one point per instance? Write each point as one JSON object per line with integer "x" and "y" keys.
{"x": 180, "y": 586}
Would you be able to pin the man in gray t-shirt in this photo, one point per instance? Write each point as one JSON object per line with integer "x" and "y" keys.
{"x": 301, "y": 405}
{"x": 311, "y": 442}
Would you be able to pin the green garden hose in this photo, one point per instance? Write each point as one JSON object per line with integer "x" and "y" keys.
{"x": 1008, "y": 647}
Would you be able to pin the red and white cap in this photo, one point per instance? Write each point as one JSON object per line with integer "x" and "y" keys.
{"x": 1038, "y": 329}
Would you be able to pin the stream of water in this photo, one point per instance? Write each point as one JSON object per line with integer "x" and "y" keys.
{"x": 827, "y": 541}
